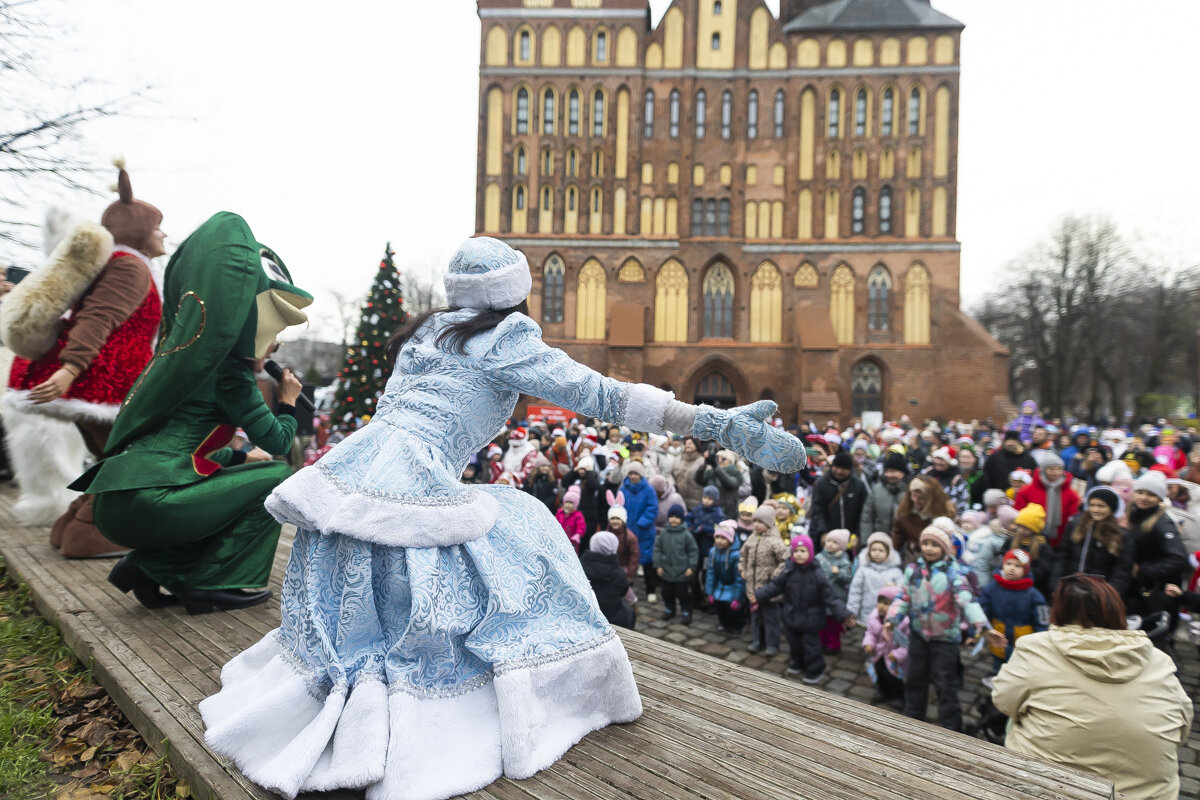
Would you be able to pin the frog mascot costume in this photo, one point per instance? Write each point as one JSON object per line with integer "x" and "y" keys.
{"x": 169, "y": 486}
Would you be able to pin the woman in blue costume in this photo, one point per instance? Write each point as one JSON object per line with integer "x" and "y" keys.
{"x": 436, "y": 635}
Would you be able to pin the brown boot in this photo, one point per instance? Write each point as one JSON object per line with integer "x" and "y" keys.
{"x": 82, "y": 539}
{"x": 56, "y": 531}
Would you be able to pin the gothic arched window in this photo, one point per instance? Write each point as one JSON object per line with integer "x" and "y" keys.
{"x": 552, "y": 290}
{"x": 718, "y": 303}
{"x": 674, "y": 114}
{"x": 522, "y": 110}
{"x": 859, "y": 211}
{"x": 779, "y": 114}
{"x": 866, "y": 388}
{"x": 752, "y": 115}
{"x": 885, "y": 210}
{"x": 701, "y": 112}
{"x": 726, "y": 114}
{"x": 648, "y": 116}
{"x": 879, "y": 288}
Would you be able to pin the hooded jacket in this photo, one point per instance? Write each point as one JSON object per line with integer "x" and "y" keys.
{"x": 641, "y": 503}
{"x": 808, "y": 596}
{"x": 763, "y": 557}
{"x": 1098, "y": 700}
{"x": 869, "y": 578}
{"x": 723, "y": 579}
{"x": 879, "y": 511}
{"x": 610, "y": 583}
{"x": 675, "y": 552}
{"x": 1036, "y": 493}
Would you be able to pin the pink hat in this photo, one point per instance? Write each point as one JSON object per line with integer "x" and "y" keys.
{"x": 940, "y": 536}
{"x": 727, "y": 530}
{"x": 802, "y": 540}
{"x": 572, "y": 495}
{"x": 840, "y": 537}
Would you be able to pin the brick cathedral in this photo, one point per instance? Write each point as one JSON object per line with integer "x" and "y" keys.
{"x": 735, "y": 206}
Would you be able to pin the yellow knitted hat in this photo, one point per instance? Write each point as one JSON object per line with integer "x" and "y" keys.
{"x": 1032, "y": 517}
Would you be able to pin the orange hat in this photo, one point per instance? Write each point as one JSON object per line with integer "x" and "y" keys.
{"x": 130, "y": 221}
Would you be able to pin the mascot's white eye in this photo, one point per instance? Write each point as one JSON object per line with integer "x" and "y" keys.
{"x": 273, "y": 271}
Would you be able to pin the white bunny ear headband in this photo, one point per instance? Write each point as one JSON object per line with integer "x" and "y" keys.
{"x": 615, "y": 500}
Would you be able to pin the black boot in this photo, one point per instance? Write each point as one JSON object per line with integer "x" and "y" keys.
{"x": 126, "y": 575}
{"x": 205, "y": 601}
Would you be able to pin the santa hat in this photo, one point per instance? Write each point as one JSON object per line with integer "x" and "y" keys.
{"x": 1021, "y": 475}
{"x": 572, "y": 494}
{"x": 517, "y": 435}
{"x": 494, "y": 450}
{"x": 945, "y": 454}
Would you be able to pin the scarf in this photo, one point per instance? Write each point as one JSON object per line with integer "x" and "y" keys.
{"x": 1018, "y": 585}
{"x": 1053, "y": 506}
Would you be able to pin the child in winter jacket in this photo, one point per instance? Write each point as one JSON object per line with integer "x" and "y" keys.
{"x": 878, "y": 566}
{"x": 935, "y": 597}
{"x": 571, "y": 518}
{"x": 745, "y": 519}
{"x": 608, "y": 579}
{"x": 1013, "y": 605}
{"x": 723, "y": 584}
{"x": 839, "y": 570}
{"x": 987, "y": 557}
{"x": 763, "y": 557}
{"x": 808, "y": 597}
{"x": 702, "y": 521}
{"x": 675, "y": 556}
{"x": 886, "y": 659}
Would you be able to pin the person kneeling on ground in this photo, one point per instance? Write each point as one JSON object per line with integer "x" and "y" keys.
{"x": 169, "y": 486}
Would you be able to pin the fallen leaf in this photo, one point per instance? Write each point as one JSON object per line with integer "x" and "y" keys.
{"x": 127, "y": 759}
{"x": 183, "y": 789}
{"x": 88, "y": 755}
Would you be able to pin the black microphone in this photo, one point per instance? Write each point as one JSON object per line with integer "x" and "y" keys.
{"x": 276, "y": 372}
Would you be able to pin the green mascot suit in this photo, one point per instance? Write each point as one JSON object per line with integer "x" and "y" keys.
{"x": 169, "y": 486}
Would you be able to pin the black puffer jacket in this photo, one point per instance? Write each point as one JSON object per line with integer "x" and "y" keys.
{"x": 1094, "y": 557}
{"x": 830, "y": 508}
{"x": 610, "y": 584}
{"x": 1160, "y": 558}
{"x": 808, "y": 596}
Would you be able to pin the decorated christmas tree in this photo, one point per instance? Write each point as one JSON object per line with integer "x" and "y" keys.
{"x": 365, "y": 371}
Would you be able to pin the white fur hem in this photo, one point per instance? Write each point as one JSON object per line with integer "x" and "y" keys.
{"x": 499, "y": 288}
{"x": 68, "y": 409}
{"x": 46, "y": 454}
{"x": 311, "y": 501}
{"x": 647, "y": 407}
{"x": 399, "y": 746}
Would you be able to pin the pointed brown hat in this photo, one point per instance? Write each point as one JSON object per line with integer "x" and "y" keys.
{"x": 130, "y": 221}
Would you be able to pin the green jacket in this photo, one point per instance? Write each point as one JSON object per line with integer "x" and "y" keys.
{"x": 192, "y": 443}
{"x": 675, "y": 552}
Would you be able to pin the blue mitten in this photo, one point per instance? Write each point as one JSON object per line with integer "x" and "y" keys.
{"x": 744, "y": 430}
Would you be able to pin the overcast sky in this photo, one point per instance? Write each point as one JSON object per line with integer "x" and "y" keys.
{"x": 334, "y": 128}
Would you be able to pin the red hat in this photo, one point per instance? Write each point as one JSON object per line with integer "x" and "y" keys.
{"x": 494, "y": 450}
{"x": 517, "y": 433}
{"x": 1019, "y": 556}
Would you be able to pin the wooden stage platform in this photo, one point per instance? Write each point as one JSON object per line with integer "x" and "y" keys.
{"x": 711, "y": 729}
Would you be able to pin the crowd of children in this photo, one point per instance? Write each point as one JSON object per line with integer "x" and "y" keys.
{"x": 928, "y": 538}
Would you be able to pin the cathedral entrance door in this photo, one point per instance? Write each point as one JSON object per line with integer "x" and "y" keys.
{"x": 715, "y": 390}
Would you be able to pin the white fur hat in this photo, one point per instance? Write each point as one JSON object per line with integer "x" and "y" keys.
{"x": 487, "y": 273}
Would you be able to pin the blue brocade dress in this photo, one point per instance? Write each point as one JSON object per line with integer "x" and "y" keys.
{"x": 434, "y": 635}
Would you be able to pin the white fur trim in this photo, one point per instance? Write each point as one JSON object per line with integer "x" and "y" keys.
{"x": 545, "y": 709}
{"x": 402, "y": 747}
{"x": 30, "y": 314}
{"x": 46, "y": 454}
{"x": 309, "y": 500}
{"x": 499, "y": 288}
{"x": 67, "y": 409}
{"x": 647, "y": 406}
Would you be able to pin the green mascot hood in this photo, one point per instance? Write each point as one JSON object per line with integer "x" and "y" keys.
{"x": 224, "y": 295}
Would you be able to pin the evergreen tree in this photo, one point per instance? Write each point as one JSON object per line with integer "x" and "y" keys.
{"x": 365, "y": 370}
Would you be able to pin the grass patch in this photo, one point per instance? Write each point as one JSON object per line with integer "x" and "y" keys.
{"x": 68, "y": 740}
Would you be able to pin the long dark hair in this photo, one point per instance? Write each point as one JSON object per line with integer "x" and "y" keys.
{"x": 1088, "y": 601}
{"x": 456, "y": 335}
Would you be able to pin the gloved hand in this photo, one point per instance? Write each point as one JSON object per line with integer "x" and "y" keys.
{"x": 711, "y": 599}
{"x": 745, "y": 431}
{"x": 736, "y": 605}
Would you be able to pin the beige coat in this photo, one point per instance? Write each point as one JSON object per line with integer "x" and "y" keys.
{"x": 1102, "y": 701}
{"x": 763, "y": 556}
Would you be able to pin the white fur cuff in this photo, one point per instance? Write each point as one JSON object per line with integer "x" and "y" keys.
{"x": 498, "y": 288}
{"x": 67, "y": 409}
{"x": 646, "y": 408}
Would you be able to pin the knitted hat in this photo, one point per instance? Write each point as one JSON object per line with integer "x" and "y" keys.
{"x": 1153, "y": 482}
{"x": 572, "y": 494}
{"x": 995, "y": 497}
{"x": 659, "y": 484}
{"x": 748, "y": 506}
{"x": 587, "y": 462}
{"x": 895, "y": 461}
{"x": 677, "y": 510}
{"x": 879, "y": 537}
{"x": 940, "y": 537}
{"x": 618, "y": 512}
{"x": 1011, "y": 435}
{"x": 843, "y": 460}
{"x": 840, "y": 537}
{"x": 1032, "y": 517}
{"x": 487, "y": 273}
{"x": 541, "y": 461}
{"x": 1108, "y": 497}
{"x": 712, "y": 493}
{"x": 888, "y": 593}
{"x": 130, "y": 221}
{"x": 635, "y": 467}
{"x": 1020, "y": 556}
{"x": 802, "y": 540}
{"x": 1047, "y": 458}
{"x": 765, "y": 515}
{"x": 726, "y": 529}
{"x": 604, "y": 542}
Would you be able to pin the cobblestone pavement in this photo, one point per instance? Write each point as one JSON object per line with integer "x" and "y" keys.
{"x": 845, "y": 675}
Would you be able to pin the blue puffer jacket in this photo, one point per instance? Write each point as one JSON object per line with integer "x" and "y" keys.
{"x": 1015, "y": 609}
{"x": 641, "y": 504}
{"x": 724, "y": 580}
{"x": 702, "y": 522}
